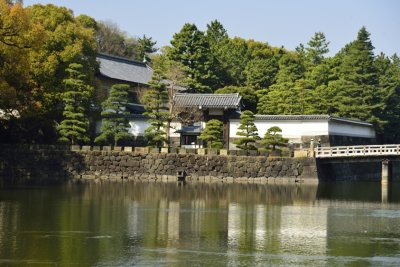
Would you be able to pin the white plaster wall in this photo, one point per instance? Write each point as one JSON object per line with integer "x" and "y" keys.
{"x": 137, "y": 127}
{"x": 175, "y": 126}
{"x": 337, "y": 128}
{"x": 293, "y": 130}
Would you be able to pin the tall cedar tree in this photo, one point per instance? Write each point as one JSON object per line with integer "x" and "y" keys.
{"x": 248, "y": 130}
{"x": 389, "y": 87}
{"x": 156, "y": 105}
{"x": 273, "y": 138}
{"x": 357, "y": 94}
{"x": 75, "y": 125}
{"x": 191, "y": 48}
{"x": 213, "y": 134}
{"x": 115, "y": 124}
{"x": 283, "y": 97}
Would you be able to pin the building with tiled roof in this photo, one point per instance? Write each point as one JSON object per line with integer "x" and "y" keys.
{"x": 299, "y": 129}
{"x": 124, "y": 70}
{"x": 209, "y": 101}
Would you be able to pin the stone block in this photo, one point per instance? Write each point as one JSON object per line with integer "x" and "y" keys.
{"x": 201, "y": 151}
{"x": 75, "y": 148}
{"x": 223, "y": 152}
{"x": 154, "y": 150}
{"x": 96, "y": 148}
{"x": 182, "y": 151}
{"x": 106, "y": 148}
{"x": 212, "y": 151}
{"x": 164, "y": 150}
{"x": 143, "y": 150}
{"x": 128, "y": 149}
{"x": 85, "y": 148}
{"x": 300, "y": 153}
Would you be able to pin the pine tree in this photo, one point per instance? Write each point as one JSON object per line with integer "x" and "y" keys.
{"x": 248, "y": 130}
{"x": 389, "y": 88}
{"x": 249, "y": 96}
{"x": 74, "y": 127}
{"x": 156, "y": 100}
{"x": 317, "y": 48}
{"x": 191, "y": 48}
{"x": 273, "y": 138}
{"x": 115, "y": 124}
{"x": 213, "y": 134}
{"x": 356, "y": 90}
{"x": 146, "y": 46}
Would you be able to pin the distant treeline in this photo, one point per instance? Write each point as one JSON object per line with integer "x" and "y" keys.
{"x": 39, "y": 43}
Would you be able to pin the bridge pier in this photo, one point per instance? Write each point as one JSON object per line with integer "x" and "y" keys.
{"x": 386, "y": 176}
{"x": 385, "y": 172}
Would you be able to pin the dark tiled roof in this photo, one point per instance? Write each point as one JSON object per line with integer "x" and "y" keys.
{"x": 190, "y": 130}
{"x": 124, "y": 69}
{"x": 308, "y": 118}
{"x": 208, "y": 100}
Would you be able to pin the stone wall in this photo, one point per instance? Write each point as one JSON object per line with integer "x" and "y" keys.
{"x": 60, "y": 163}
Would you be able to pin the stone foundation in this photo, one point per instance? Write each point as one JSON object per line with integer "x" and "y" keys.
{"x": 57, "y": 163}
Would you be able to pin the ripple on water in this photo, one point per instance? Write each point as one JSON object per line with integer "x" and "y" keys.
{"x": 385, "y": 213}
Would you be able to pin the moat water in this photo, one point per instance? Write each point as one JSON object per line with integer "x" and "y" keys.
{"x": 166, "y": 224}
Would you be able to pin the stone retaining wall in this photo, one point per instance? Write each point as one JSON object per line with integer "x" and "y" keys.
{"x": 61, "y": 162}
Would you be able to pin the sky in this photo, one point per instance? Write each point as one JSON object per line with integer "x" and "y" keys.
{"x": 278, "y": 22}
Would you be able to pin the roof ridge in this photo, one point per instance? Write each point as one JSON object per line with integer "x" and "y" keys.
{"x": 128, "y": 60}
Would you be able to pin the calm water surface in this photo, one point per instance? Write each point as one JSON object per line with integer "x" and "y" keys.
{"x": 159, "y": 224}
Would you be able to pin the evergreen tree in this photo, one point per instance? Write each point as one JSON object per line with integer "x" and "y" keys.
{"x": 249, "y": 96}
{"x": 389, "y": 88}
{"x": 234, "y": 56}
{"x": 284, "y": 97}
{"x": 191, "y": 48}
{"x": 261, "y": 73}
{"x": 317, "y": 48}
{"x": 146, "y": 46}
{"x": 248, "y": 130}
{"x": 216, "y": 35}
{"x": 74, "y": 127}
{"x": 115, "y": 124}
{"x": 156, "y": 100}
{"x": 213, "y": 134}
{"x": 356, "y": 90}
{"x": 273, "y": 138}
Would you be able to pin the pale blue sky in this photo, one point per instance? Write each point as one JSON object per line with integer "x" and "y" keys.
{"x": 280, "y": 22}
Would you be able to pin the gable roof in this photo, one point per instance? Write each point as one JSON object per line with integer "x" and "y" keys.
{"x": 226, "y": 101}
{"x": 124, "y": 69}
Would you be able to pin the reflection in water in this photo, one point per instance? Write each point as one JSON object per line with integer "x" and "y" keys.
{"x": 199, "y": 224}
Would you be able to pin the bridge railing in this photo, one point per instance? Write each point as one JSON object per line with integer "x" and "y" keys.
{"x": 356, "y": 151}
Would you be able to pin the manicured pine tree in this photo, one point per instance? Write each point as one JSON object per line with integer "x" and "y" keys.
{"x": 115, "y": 124}
{"x": 248, "y": 130}
{"x": 74, "y": 127}
{"x": 156, "y": 105}
{"x": 213, "y": 134}
{"x": 273, "y": 138}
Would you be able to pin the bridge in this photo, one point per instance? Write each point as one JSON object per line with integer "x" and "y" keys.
{"x": 357, "y": 151}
